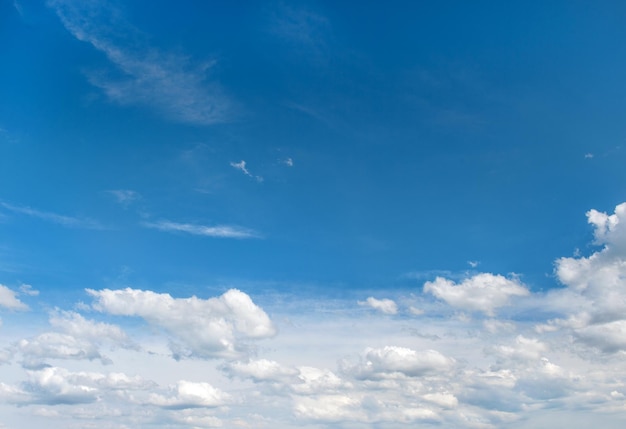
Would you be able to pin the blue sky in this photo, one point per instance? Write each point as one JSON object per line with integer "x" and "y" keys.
{"x": 309, "y": 202}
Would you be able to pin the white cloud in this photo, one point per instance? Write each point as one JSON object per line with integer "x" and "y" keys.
{"x": 208, "y": 328}
{"x": 261, "y": 370}
{"x": 188, "y": 394}
{"x": 167, "y": 82}
{"x": 54, "y": 345}
{"x": 8, "y": 299}
{"x": 77, "y": 326}
{"x": 288, "y": 162}
{"x": 386, "y": 306}
{"x": 67, "y": 221}
{"x": 241, "y": 166}
{"x": 483, "y": 292}
{"x": 78, "y": 339}
{"x": 391, "y": 361}
{"x": 597, "y": 284}
{"x": 220, "y": 231}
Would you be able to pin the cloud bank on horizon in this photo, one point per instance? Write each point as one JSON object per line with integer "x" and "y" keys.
{"x": 495, "y": 354}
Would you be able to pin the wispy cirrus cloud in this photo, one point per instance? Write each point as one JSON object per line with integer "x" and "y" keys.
{"x": 67, "y": 221}
{"x": 241, "y": 166}
{"x": 169, "y": 83}
{"x": 220, "y": 231}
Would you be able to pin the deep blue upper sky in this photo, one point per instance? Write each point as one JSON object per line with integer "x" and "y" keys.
{"x": 393, "y": 142}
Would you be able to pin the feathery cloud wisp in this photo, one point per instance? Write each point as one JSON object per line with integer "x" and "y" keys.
{"x": 221, "y": 231}
{"x": 166, "y": 82}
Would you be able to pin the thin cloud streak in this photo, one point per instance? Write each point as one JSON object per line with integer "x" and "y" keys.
{"x": 219, "y": 231}
{"x": 67, "y": 221}
{"x": 242, "y": 167}
{"x": 167, "y": 82}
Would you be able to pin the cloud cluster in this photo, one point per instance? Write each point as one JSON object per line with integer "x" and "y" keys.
{"x": 208, "y": 328}
{"x": 564, "y": 366}
{"x": 483, "y": 292}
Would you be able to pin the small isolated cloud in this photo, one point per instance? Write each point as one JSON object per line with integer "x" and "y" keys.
{"x": 288, "y": 162}
{"x": 473, "y": 264}
{"x": 124, "y": 196}
{"x": 8, "y": 299}
{"x": 483, "y": 292}
{"x": 205, "y": 328}
{"x": 67, "y": 221}
{"x": 220, "y": 231}
{"x": 588, "y": 155}
{"x": 386, "y": 306}
{"x": 143, "y": 75}
{"x": 241, "y": 166}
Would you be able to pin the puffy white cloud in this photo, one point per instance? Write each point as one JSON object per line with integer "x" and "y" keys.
{"x": 188, "y": 394}
{"x": 597, "y": 284}
{"x": 54, "y": 345}
{"x": 329, "y": 408}
{"x": 76, "y": 325}
{"x": 483, "y": 292}
{"x": 315, "y": 380}
{"x": 523, "y": 349}
{"x": 208, "y": 328}
{"x": 386, "y": 306}
{"x": 79, "y": 339}
{"x": 8, "y": 299}
{"x": 391, "y": 361}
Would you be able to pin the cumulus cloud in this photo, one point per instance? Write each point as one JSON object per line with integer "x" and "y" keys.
{"x": 220, "y": 231}
{"x": 56, "y": 386}
{"x": 188, "y": 394}
{"x": 386, "y": 306}
{"x": 167, "y": 82}
{"x": 8, "y": 299}
{"x": 392, "y": 361}
{"x": 207, "y": 328}
{"x": 75, "y": 338}
{"x": 483, "y": 292}
{"x": 597, "y": 284}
